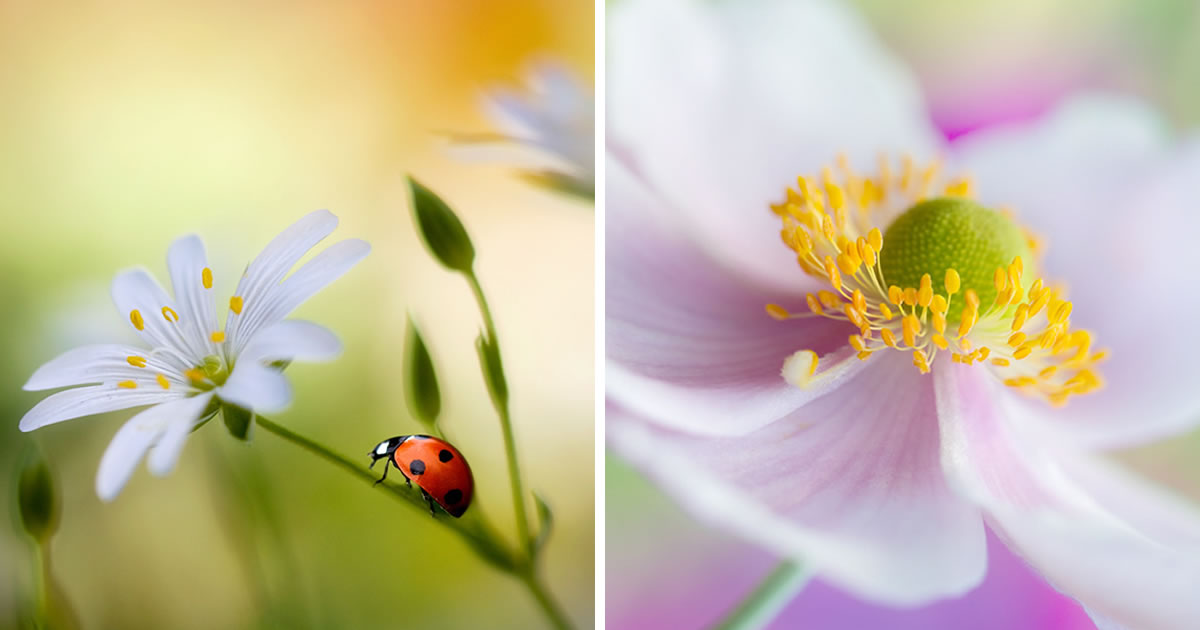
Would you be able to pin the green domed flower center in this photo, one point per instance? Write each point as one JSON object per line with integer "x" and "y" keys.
{"x": 952, "y": 233}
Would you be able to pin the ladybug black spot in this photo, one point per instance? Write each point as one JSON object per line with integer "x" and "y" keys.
{"x": 417, "y": 467}
{"x": 445, "y": 455}
{"x": 453, "y": 496}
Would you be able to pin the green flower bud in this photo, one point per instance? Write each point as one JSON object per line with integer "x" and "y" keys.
{"x": 441, "y": 230}
{"x": 420, "y": 379}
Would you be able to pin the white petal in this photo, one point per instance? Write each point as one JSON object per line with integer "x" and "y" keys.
{"x": 91, "y": 400}
{"x": 137, "y": 290}
{"x": 275, "y": 304}
{"x": 1127, "y": 550}
{"x": 257, "y": 388}
{"x": 89, "y": 364}
{"x": 689, "y": 343}
{"x": 131, "y": 442}
{"x": 723, "y": 104}
{"x": 187, "y": 262}
{"x": 278, "y": 258}
{"x": 1106, "y": 190}
{"x": 187, "y": 413}
{"x": 850, "y": 484}
{"x": 292, "y": 339}
{"x": 524, "y": 154}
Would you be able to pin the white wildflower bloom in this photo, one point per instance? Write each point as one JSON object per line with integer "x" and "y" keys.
{"x": 192, "y": 365}
{"x": 548, "y": 131}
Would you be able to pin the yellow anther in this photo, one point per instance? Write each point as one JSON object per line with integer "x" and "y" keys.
{"x": 854, "y": 316}
{"x": 804, "y": 186}
{"x": 938, "y": 304}
{"x": 972, "y": 299}
{"x": 956, "y": 357}
{"x": 925, "y": 293}
{"x": 895, "y": 295}
{"x": 169, "y": 314}
{"x": 859, "y": 301}
{"x": 804, "y": 245}
{"x": 777, "y": 311}
{"x": 1018, "y": 264}
{"x": 837, "y": 198}
{"x": 1002, "y": 362}
{"x": 888, "y": 337}
{"x": 827, "y": 227}
{"x": 969, "y": 315}
{"x": 864, "y": 355}
{"x": 162, "y": 381}
{"x": 939, "y": 322}
{"x": 885, "y": 312}
{"x": 866, "y": 252}
{"x": 814, "y": 305}
{"x": 195, "y": 375}
{"x": 829, "y": 299}
{"x": 1014, "y": 277}
{"x": 1023, "y": 351}
{"x": 953, "y": 282}
{"x": 235, "y": 302}
{"x": 983, "y": 353}
{"x": 1020, "y": 317}
{"x": 965, "y": 344}
{"x": 875, "y": 238}
{"x": 831, "y": 272}
{"x": 910, "y": 296}
{"x": 1039, "y": 302}
{"x": 910, "y": 326}
{"x": 206, "y": 278}
{"x": 127, "y": 385}
{"x": 1000, "y": 279}
{"x": 1099, "y": 356}
{"x": 1016, "y": 339}
{"x": 847, "y": 263}
{"x": 135, "y": 316}
{"x": 959, "y": 188}
{"x": 1060, "y": 314}
{"x": 1048, "y": 372}
{"x": 940, "y": 341}
{"x": 857, "y": 343}
{"x": 217, "y": 337}
{"x": 136, "y": 361}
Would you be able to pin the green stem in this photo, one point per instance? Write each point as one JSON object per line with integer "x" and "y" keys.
{"x": 768, "y": 598}
{"x": 41, "y": 584}
{"x": 510, "y": 446}
{"x": 556, "y": 615}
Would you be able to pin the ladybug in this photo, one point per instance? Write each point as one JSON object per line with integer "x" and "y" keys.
{"x": 439, "y": 470}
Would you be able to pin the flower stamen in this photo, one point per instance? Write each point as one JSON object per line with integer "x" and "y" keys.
{"x": 1023, "y": 332}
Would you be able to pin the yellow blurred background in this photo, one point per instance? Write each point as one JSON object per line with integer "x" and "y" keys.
{"x": 124, "y": 125}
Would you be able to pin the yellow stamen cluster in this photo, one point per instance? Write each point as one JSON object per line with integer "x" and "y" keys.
{"x": 1024, "y": 336}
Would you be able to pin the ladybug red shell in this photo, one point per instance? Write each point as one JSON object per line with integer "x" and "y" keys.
{"x": 438, "y": 469}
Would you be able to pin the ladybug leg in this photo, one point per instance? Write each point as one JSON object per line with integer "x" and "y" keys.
{"x": 428, "y": 498}
{"x": 386, "y": 465}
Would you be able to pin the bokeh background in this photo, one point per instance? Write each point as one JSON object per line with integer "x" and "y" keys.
{"x": 979, "y": 62}
{"x": 124, "y": 125}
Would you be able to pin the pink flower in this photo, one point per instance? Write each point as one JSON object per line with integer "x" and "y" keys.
{"x": 861, "y": 464}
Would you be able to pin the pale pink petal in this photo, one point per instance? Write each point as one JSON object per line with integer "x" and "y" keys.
{"x": 1128, "y": 551}
{"x": 723, "y": 104}
{"x": 850, "y": 484}
{"x": 1099, "y": 182}
{"x": 689, "y": 344}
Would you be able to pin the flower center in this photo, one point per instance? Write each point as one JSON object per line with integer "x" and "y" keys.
{"x": 212, "y": 372}
{"x": 945, "y": 233}
{"x": 985, "y": 309}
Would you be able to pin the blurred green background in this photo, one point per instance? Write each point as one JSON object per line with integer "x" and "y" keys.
{"x": 978, "y": 62}
{"x": 126, "y": 125}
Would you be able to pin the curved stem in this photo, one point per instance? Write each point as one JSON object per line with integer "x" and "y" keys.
{"x": 474, "y": 528}
{"x": 767, "y": 599}
{"x": 510, "y": 447}
{"x": 556, "y": 615}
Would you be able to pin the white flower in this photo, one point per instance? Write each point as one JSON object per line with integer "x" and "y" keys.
{"x": 549, "y": 132}
{"x": 878, "y": 475}
{"x": 192, "y": 365}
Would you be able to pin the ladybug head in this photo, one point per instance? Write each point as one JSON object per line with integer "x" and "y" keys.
{"x": 384, "y": 449}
